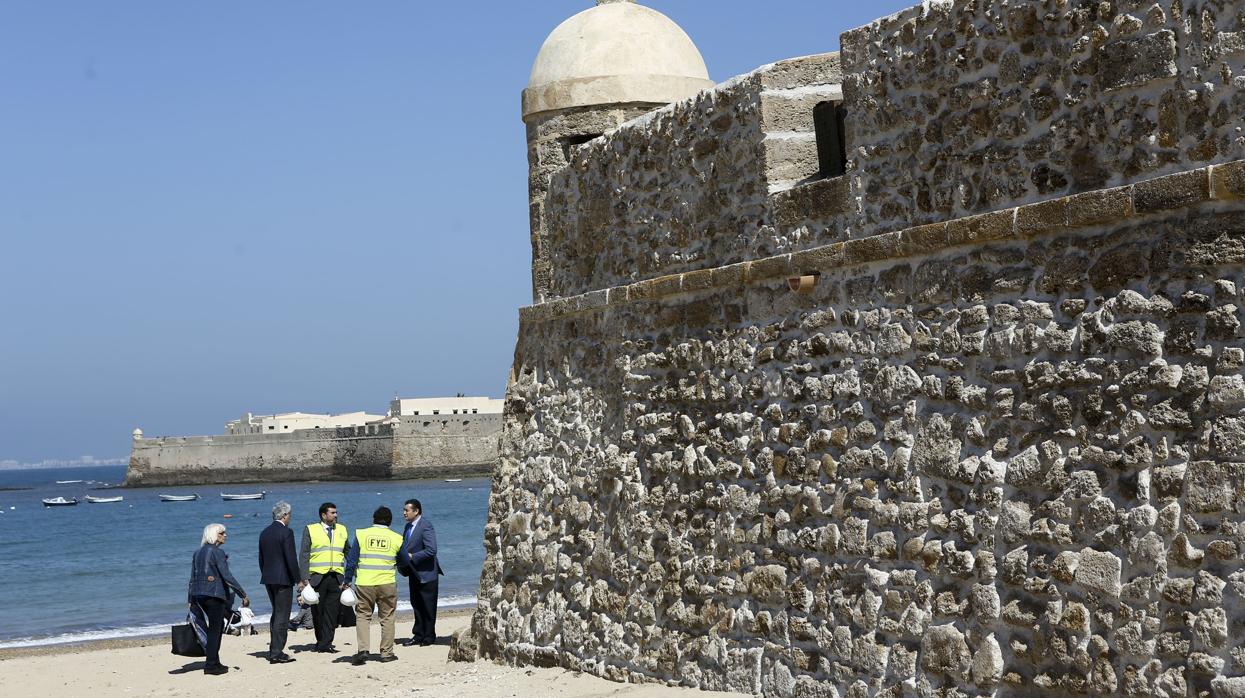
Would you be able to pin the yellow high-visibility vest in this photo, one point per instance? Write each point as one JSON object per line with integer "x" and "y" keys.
{"x": 325, "y": 556}
{"x": 378, "y": 555}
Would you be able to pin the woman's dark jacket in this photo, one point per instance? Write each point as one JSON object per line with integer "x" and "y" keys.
{"x": 210, "y": 575}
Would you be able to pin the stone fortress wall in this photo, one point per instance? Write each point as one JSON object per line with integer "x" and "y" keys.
{"x": 1000, "y": 446}
{"x": 445, "y": 445}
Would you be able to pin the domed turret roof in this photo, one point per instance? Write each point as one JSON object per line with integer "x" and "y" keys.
{"x": 617, "y": 52}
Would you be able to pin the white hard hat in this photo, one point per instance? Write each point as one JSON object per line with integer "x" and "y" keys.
{"x": 348, "y": 597}
{"x": 309, "y": 596}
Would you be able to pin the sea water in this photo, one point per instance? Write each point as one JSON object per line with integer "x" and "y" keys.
{"x": 98, "y": 571}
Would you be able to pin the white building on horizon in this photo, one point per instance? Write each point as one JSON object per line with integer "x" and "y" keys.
{"x": 291, "y": 421}
{"x": 425, "y": 406}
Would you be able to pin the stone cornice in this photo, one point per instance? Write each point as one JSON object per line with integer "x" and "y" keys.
{"x": 1223, "y": 182}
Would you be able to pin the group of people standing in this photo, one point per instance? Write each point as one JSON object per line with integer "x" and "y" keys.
{"x": 329, "y": 561}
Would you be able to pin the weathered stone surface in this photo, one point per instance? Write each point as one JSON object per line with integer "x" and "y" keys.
{"x": 1130, "y": 62}
{"x": 1172, "y": 191}
{"x": 943, "y": 650}
{"x": 1099, "y": 571}
{"x": 995, "y": 454}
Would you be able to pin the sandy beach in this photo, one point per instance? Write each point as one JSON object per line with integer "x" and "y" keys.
{"x": 145, "y": 667}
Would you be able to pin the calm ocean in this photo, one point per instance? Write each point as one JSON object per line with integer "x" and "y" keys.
{"x": 96, "y": 571}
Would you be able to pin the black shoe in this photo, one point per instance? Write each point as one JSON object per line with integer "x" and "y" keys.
{"x": 280, "y": 660}
{"x": 388, "y": 658}
{"x": 409, "y": 643}
{"x": 359, "y": 659}
{"x": 216, "y": 670}
{"x": 427, "y": 643}
{"x": 328, "y": 650}
{"x": 285, "y": 657}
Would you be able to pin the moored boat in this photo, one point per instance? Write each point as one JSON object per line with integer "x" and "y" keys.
{"x": 178, "y": 497}
{"x": 67, "y": 482}
{"x": 239, "y": 497}
{"x": 103, "y": 500}
{"x": 453, "y": 479}
{"x": 59, "y": 502}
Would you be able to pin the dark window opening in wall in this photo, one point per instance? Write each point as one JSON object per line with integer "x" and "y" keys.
{"x": 831, "y": 141}
{"x": 571, "y": 142}
{"x": 427, "y": 423}
{"x": 436, "y": 411}
{"x": 271, "y": 428}
{"x": 416, "y": 413}
{"x": 315, "y": 427}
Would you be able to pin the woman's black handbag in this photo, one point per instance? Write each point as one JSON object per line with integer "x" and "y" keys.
{"x": 345, "y": 617}
{"x": 186, "y": 642}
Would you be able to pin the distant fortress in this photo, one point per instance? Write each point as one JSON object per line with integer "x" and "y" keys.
{"x": 423, "y": 437}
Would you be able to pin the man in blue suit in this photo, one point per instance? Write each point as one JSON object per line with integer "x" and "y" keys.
{"x": 417, "y": 561}
{"x": 278, "y": 565}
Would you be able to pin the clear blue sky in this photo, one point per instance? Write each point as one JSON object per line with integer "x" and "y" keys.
{"x": 213, "y": 208}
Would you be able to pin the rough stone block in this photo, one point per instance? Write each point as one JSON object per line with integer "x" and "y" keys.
{"x": 871, "y": 249}
{"x": 1099, "y": 572}
{"x": 817, "y": 69}
{"x": 784, "y": 111}
{"x": 666, "y": 285}
{"x": 1228, "y": 180}
{"x": 943, "y": 650}
{"x": 822, "y": 258}
{"x": 770, "y": 267}
{"x": 730, "y": 275}
{"x": 1209, "y": 487}
{"x": 1042, "y": 218}
{"x": 593, "y": 300}
{"x": 976, "y": 229}
{"x": 1102, "y": 206}
{"x": 792, "y": 157}
{"x": 697, "y": 280}
{"x": 529, "y": 313}
{"x": 1131, "y": 62}
{"x": 815, "y": 200}
{"x": 642, "y": 290}
{"x": 923, "y": 239}
{"x": 1230, "y": 42}
{"x": 1172, "y": 191}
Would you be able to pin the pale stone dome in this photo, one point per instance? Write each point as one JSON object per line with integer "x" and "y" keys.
{"x": 615, "y": 53}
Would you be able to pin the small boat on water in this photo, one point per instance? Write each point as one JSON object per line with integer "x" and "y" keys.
{"x": 67, "y": 482}
{"x": 102, "y": 500}
{"x": 240, "y": 497}
{"x": 178, "y": 497}
{"x": 60, "y": 502}
{"x": 453, "y": 479}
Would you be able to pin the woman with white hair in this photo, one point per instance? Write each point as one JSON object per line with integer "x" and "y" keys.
{"x": 212, "y": 586}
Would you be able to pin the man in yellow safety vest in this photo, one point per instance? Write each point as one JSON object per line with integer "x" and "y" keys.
{"x": 322, "y": 562}
{"x": 374, "y": 557}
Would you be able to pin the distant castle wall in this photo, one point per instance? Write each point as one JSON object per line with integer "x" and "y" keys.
{"x": 412, "y": 450}
{"x": 436, "y": 445}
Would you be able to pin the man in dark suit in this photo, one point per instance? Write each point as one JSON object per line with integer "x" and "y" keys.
{"x": 278, "y": 565}
{"x": 417, "y": 561}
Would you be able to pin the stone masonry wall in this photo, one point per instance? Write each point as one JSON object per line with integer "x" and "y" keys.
{"x": 996, "y": 455}
{"x": 686, "y": 186}
{"x": 969, "y": 106}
